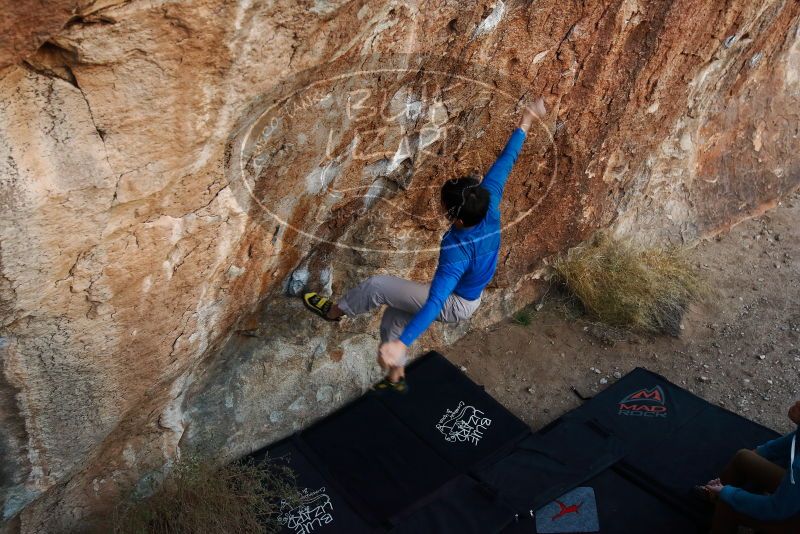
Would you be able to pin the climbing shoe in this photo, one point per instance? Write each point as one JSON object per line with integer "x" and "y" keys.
{"x": 387, "y": 385}
{"x": 319, "y": 305}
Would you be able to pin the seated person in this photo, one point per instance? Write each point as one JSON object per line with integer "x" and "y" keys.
{"x": 773, "y": 475}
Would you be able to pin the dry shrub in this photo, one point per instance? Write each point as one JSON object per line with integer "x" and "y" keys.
{"x": 199, "y": 497}
{"x": 622, "y": 285}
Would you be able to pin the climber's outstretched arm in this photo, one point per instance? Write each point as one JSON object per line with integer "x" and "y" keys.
{"x": 495, "y": 179}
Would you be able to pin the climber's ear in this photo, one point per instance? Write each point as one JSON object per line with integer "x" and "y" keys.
{"x": 443, "y": 208}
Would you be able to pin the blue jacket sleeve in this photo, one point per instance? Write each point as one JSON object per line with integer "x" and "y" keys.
{"x": 777, "y": 450}
{"x": 782, "y": 504}
{"x": 447, "y": 275}
{"x": 495, "y": 179}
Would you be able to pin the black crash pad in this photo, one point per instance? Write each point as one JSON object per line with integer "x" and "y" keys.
{"x": 445, "y": 457}
{"x": 623, "y": 508}
{"x": 669, "y": 438}
{"x": 462, "y": 506}
{"x": 381, "y": 465}
{"x": 674, "y": 439}
{"x": 642, "y": 408}
{"x": 549, "y": 463}
{"x": 627, "y": 508}
{"x": 453, "y": 415}
{"x": 695, "y": 453}
{"x": 321, "y": 509}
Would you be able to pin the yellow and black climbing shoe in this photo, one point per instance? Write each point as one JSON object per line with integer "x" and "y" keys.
{"x": 387, "y": 385}
{"x": 319, "y": 305}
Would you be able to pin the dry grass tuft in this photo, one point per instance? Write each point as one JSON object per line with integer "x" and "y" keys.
{"x": 198, "y": 497}
{"x": 626, "y": 286}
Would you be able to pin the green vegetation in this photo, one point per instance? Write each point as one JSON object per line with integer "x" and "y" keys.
{"x": 198, "y": 497}
{"x": 626, "y": 286}
{"x": 523, "y": 317}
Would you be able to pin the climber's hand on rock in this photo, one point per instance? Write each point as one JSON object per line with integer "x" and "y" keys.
{"x": 392, "y": 354}
{"x": 532, "y": 112}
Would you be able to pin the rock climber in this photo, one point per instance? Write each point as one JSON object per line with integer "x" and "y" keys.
{"x": 467, "y": 262}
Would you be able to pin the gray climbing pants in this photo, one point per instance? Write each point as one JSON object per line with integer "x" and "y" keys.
{"x": 403, "y": 299}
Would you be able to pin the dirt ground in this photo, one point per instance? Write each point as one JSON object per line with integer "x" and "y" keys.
{"x": 741, "y": 350}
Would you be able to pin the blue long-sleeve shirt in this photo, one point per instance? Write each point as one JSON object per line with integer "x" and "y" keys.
{"x": 785, "y": 501}
{"x": 468, "y": 256}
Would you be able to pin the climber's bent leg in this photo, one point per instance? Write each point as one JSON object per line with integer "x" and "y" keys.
{"x": 395, "y": 319}
{"x": 403, "y": 299}
{"x": 378, "y": 290}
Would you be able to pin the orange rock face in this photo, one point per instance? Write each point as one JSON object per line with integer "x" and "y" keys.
{"x": 24, "y": 30}
{"x": 173, "y": 172}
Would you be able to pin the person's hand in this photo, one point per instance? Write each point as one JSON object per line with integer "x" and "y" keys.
{"x": 392, "y": 354}
{"x": 714, "y": 487}
{"x": 794, "y": 413}
{"x": 532, "y": 112}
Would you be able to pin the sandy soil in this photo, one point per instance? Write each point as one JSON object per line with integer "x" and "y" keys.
{"x": 741, "y": 350}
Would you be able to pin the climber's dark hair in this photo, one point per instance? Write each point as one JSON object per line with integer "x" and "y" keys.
{"x": 465, "y": 199}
